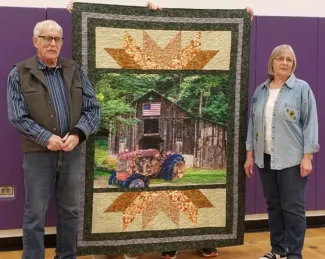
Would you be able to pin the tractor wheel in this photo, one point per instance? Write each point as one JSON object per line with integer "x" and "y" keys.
{"x": 113, "y": 179}
{"x": 178, "y": 170}
{"x": 136, "y": 181}
{"x": 173, "y": 167}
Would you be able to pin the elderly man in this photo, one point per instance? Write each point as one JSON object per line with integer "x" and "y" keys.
{"x": 53, "y": 105}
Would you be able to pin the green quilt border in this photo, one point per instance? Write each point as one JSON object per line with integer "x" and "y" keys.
{"x": 76, "y": 18}
{"x": 175, "y": 246}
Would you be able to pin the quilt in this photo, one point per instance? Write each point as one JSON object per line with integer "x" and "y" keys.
{"x": 165, "y": 170}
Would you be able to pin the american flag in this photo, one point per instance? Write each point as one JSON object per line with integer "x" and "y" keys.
{"x": 151, "y": 109}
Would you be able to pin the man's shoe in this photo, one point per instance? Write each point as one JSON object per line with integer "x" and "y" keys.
{"x": 209, "y": 252}
{"x": 169, "y": 255}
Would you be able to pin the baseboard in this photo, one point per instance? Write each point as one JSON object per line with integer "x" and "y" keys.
{"x": 258, "y": 225}
{"x": 16, "y": 243}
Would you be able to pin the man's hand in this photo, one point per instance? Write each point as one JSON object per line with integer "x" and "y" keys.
{"x": 70, "y": 142}
{"x": 70, "y": 5}
{"x": 306, "y": 165}
{"x": 54, "y": 143}
{"x": 154, "y": 7}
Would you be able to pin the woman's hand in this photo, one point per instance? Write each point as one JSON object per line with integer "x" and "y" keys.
{"x": 306, "y": 165}
{"x": 70, "y": 5}
{"x": 249, "y": 164}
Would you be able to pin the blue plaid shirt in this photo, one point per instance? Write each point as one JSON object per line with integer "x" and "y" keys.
{"x": 294, "y": 124}
{"x": 18, "y": 113}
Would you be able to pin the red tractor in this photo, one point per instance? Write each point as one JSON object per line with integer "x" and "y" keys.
{"x": 134, "y": 169}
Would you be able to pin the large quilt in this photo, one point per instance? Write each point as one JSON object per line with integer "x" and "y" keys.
{"x": 165, "y": 171}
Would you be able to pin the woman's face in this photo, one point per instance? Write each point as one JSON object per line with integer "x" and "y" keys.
{"x": 282, "y": 65}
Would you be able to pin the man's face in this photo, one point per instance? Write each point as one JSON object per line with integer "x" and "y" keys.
{"x": 48, "y": 45}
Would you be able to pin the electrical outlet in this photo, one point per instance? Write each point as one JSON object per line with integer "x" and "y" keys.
{"x": 6, "y": 191}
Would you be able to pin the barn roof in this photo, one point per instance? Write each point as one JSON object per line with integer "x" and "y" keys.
{"x": 195, "y": 116}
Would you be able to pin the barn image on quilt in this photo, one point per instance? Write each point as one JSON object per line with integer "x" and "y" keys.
{"x": 163, "y": 125}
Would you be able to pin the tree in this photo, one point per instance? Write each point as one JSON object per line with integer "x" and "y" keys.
{"x": 199, "y": 95}
{"x": 202, "y": 95}
{"x": 217, "y": 110}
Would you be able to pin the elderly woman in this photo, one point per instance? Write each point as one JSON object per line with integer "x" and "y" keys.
{"x": 283, "y": 136}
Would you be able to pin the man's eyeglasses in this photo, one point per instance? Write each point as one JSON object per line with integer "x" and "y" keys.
{"x": 49, "y": 39}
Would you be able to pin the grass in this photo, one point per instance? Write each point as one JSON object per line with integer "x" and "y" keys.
{"x": 197, "y": 176}
{"x": 100, "y": 173}
{"x": 100, "y": 155}
{"x": 191, "y": 176}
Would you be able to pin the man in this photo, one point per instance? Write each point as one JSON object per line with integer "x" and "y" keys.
{"x": 53, "y": 105}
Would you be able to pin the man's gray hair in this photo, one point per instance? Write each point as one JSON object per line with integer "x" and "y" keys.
{"x": 47, "y": 25}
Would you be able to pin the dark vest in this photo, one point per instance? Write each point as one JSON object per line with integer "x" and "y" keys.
{"x": 33, "y": 86}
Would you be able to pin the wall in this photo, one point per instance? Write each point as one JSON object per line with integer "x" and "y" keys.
{"x": 314, "y": 8}
{"x": 307, "y": 36}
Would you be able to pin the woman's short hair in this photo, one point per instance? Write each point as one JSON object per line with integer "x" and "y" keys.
{"x": 278, "y": 51}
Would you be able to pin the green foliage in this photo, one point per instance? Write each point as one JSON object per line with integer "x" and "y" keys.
{"x": 102, "y": 159}
{"x": 100, "y": 153}
{"x": 217, "y": 110}
{"x": 126, "y": 87}
{"x": 99, "y": 173}
{"x": 202, "y": 95}
{"x": 101, "y": 144}
{"x": 119, "y": 91}
{"x": 110, "y": 162}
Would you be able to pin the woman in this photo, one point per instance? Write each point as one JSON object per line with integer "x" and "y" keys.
{"x": 283, "y": 136}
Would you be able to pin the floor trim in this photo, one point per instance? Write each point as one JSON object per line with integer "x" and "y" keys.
{"x": 260, "y": 225}
{"x": 15, "y": 242}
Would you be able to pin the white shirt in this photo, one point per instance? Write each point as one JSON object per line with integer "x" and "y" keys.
{"x": 268, "y": 117}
